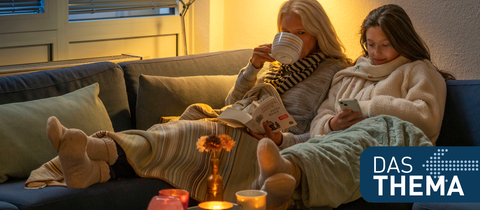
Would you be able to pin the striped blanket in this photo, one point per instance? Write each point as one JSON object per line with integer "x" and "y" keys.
{"x": 168, "y": 152}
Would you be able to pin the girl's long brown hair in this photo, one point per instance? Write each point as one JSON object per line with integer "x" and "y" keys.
{"x": 399, "y": 30}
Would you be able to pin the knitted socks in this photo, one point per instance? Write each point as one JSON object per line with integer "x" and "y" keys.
{"x": 278, "y": 176}
{"x": 99, "y": 147}
{"x": 78, "y": 170}
{"x": 279, "y": 188}
{"x": 271, "y": 162}
{"x": 55, "y": 132}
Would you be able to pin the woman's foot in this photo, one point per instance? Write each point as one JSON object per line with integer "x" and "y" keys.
{"x": 55, "y": 131}
{"x": 102, "y": 147}
{"x": 271, "y": 162}
{"x": 99, "y": 145}
{"x": 279, "y": 188}
{"x": 78, "y": 170}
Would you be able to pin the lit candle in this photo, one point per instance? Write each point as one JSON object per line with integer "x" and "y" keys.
{"x": 215, "y": 205}
{"x": 180, "y": 194}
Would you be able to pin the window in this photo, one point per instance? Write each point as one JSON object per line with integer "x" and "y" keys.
{"x": 107, "y": 9}
{"x": 18, "y": 7}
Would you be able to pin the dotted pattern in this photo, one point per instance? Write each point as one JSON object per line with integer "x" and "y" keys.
{"x": 437, "y": 165}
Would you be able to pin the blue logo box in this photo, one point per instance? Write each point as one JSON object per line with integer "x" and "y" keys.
{"x": 420, "y": 174}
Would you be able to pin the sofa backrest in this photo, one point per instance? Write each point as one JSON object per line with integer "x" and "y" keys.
{"x": 461, "y": 124}
{"x": 216, "y": 63}
{"x": 45, "y": 84}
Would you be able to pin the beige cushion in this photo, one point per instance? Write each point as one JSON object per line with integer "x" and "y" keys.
{"x": 160, "y": 96}
{"x": 24, "y": 145}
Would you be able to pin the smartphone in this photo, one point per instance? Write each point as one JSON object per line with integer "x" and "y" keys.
{"x": 352, "y": 104}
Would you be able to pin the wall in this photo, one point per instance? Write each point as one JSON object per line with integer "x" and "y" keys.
{"x": 450, "y": 28}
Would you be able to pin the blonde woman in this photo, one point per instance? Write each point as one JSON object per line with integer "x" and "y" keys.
{"x": 303, "y": 85}
{"x": 167, "y": 151}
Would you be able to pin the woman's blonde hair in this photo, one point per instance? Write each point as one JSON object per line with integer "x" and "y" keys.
{"x": 316, "y": 22}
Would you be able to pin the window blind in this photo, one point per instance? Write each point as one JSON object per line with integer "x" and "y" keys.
{"x": 97, "y": 6}
{"x": 20, "y": 6}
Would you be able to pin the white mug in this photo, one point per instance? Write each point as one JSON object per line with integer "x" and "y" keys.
{"x": 286, "y": 48}
{"x": 251, "y": 200}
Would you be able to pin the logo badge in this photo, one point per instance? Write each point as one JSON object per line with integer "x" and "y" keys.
{"x": 420, "y": 174}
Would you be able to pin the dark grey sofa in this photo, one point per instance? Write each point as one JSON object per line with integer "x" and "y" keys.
{"x": 118, "y": 87}
{"x": 118, "y": 91}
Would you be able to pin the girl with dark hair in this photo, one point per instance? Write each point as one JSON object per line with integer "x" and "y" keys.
{"x": 398, "y": 29}
{"x": 402, "y": 99}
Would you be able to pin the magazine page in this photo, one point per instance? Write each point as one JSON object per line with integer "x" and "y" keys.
{"x": 237, "y": 119}
{"x": 234, "y": 117}
{"x": 274, "y": 113}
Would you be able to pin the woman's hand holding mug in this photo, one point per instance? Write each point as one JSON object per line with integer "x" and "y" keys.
{"x": 261, "y": 55}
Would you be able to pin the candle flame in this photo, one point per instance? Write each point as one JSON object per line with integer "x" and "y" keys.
{"x": 215, "y": 205}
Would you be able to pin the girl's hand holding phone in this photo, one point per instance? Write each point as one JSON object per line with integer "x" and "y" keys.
{"x": 349, "y": 115}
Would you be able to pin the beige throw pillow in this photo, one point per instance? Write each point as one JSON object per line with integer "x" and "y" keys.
{"x": 24, "y": 145}
{"x": 160, "y": 96}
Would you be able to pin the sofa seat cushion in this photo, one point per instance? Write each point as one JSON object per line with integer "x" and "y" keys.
{"x": 24, "y": 144}
{"x": 7, "y": 206}
{"x": 160, "y": 96}
{"x": 134, "y": 193}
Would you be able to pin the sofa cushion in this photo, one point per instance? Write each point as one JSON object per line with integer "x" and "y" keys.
{"x": 132, "y": 193}
{"x": 7, "y": 206}
{"x": 460, "y": 126}
{"x": 215, "y": 63}
{"x": 24, "y": 145}
{"x": 160, "y": 96}
{"x": 44, "y": 84}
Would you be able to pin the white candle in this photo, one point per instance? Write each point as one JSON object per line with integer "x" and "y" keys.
{"x": 252, "y": 199}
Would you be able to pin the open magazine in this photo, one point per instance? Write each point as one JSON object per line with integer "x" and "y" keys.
{"x": 269, "y": 110}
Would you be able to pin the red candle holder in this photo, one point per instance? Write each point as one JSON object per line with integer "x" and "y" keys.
{"x": 180, "y": 194}
{"x": 160, "y": 202}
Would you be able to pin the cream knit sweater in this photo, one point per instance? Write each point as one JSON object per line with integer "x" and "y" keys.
{"x": 412, "y": 91}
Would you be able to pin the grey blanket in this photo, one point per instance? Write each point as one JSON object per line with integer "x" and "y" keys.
{"x": 330, "y": 164}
